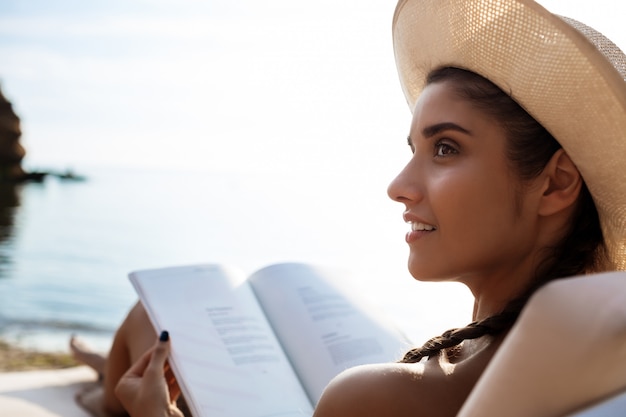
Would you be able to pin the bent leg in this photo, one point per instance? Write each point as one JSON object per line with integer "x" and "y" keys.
{"x": 134, "y": 337}
{"x": 83, "y": 353}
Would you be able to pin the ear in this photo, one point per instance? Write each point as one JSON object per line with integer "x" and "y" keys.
{"x": 561, "y": 186}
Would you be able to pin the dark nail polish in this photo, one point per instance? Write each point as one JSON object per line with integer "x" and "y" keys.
{"x": 164, "y": 336}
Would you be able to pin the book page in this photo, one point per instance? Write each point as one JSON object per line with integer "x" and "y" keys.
{"x": 225, "y": 356}
{"x": 323, "y": 329}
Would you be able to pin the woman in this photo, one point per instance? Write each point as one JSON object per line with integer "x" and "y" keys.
{"x": 512, "y": 184}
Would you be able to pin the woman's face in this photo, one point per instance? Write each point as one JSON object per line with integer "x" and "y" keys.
{"x": 460, "y": 194}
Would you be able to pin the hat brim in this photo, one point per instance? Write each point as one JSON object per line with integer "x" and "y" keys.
{"x": 551, "y": 69}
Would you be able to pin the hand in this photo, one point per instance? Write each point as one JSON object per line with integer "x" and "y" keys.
{"x": 148, "y": 388}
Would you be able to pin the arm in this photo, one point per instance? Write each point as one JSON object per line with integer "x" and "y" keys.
{"x": 568, "y": 349}
{"x": 148, "y": 388}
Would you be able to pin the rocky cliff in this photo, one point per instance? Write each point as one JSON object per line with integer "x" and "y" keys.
{"x": 11, "y": 151}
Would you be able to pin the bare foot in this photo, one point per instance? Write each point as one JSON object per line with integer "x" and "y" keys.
{"x": 92, "y": 400}
{"x": 83, "y": 353}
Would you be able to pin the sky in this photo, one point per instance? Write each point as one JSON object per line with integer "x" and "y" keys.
{"x": 219, "y": 85}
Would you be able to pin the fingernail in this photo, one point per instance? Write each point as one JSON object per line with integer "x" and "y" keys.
{"x": 164, "y": 337}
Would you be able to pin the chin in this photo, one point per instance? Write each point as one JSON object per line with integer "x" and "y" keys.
{"x": 426, "y": 275}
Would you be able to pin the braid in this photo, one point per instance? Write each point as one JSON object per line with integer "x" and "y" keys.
{"x": 490, "y": 326}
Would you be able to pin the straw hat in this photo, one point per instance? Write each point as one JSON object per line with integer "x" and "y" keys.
{"x": 569, "y": 77}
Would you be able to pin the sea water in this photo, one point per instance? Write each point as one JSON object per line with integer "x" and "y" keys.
{"x": 66, "y": 247}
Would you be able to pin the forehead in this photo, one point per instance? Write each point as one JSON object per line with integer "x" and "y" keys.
{"x": 440, "y": 103}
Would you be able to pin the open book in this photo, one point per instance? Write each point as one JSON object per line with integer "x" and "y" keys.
{"x": 265, "y": 345}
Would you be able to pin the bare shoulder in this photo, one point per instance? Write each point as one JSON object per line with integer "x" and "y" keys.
{"x": 396, "y": 390}
{"x": 371, "y": 390}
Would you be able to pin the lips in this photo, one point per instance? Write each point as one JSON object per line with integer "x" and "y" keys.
{"x": 419, "y": 228}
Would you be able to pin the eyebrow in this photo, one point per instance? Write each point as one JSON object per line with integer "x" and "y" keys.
{"x": 432, "y": 130}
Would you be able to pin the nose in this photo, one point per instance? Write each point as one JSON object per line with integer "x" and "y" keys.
{"x": 406, "y": 188}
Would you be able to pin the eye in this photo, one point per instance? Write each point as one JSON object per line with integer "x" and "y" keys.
{"x": 443, "y": 149}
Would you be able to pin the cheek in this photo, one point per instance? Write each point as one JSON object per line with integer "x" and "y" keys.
{"x": 473, "y": 199}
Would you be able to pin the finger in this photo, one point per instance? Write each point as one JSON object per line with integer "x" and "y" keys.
{"x": 159, "y": 354}
{"x": 139, "y": 367}
{"x": 169, "y": 375}
{"x": 172, "y": 384}
{"x": 174, "y": 390}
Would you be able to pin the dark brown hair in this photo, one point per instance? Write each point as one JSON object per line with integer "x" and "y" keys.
{"x": 529, "y": 148}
